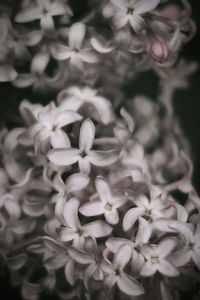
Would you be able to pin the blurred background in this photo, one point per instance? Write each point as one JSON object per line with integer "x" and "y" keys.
{"x": 187, "y": 108}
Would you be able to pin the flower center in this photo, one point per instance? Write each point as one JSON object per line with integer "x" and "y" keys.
{"x": 154, "y": 260}
{"x": 108, "y": 207}
{"x": 130, "y": 10}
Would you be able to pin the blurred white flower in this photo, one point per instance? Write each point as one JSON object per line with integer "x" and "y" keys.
{"x": 76, "y": 51}
{"x": 129, "y": 11}
{"x": 43, "y": 10}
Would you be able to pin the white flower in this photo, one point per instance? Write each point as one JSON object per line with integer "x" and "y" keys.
{"x": 75, "y": 232}
{"x": 44, "y": 10}
{"x": 152, "y": 208}
{"x": 157, "y": 259}
{"x": 129, "y": 11}
{"x": 107, "y": 202}
{"x": 75, "y": 98}
{"x": 47, "y": 127}
{"x": 74, "y": 183}
{"x": 85, "y": 156}
{"x": 115, "y": 273}
{"x": 76, "y": 51}
{"x": 191, "y": 249}
{"x": 91, "y": 259}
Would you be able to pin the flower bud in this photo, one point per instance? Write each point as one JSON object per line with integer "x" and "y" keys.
{"x": 158, "y": 49}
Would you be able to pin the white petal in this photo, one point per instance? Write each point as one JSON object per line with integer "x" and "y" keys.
{"x": 97, "y": 229}
{"x": 63, "y": 157}
{"x": 87, "y": 134}
{"x": 103, "y": 190}
{"x": 144, "y": 231}
{"x": 122, "y": 256}
{"x": 66, "y": 234}
{"x": 88, "y": 56}
{"x": 129, "y": 285}
{"x": 148, "y": 269}
{"x": 40, "y": 62}
{"x": 167, "y": 269}
{"x": 71, "y": 213}
{"x": 76, "y": 35}
{"x": 46, "y": 22}
{"x": 93, "y": 208}
{"x": 80, "y": 256}
{"x": 59, "y": 139}
{"x": 166, "y": 246}
{"x": 179, "y": 258}
{"x": 103, "y": 108}
{"x": 28, "y": 14}
{"x": 61, "y": 52}
{"x": 70, "y": 271}
{"x": 103, "y": 158}
{"x": 13, "y": 209}
{"x": 113, "y": 244}
{"x": 84, "y": 165}
{"x": 23, "y": 80}
{"x": 99, "y": 48}
{"x": 131, "y": 217}
{"x": 55, "y": 262}
{"x": 137, "y": 23}
{"x": 144, "y": 6}
{"x": 67, "y": 117}
{"x": 58, "y": 8}
{"x": 7, "y": 73}
{"x": 76, "y": 182}
{"x": 16, "y": 262}
{"x": 112, "y": 217}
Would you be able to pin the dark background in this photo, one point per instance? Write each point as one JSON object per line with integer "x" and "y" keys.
{"x": 187, "y": 108}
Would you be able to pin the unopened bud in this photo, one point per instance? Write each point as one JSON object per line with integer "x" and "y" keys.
{"x": 158, "y": 50}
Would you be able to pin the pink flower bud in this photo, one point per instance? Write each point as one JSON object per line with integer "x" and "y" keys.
{"x": 158, "y": 49}
{"x": 172, "y": 12}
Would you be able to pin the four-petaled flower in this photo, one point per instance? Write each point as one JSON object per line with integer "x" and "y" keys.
{"x": 44, "y": 11}
{"x": 106, "y": 203}
{"x": 85, "y": 156}
{"x": 129, "y": 11}
{"x": 75, "y": 232}
{"x": 76, "y": 51}
{"x": 157, "y": 258}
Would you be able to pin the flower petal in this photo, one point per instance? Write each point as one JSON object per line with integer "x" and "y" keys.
{"x": 59, "y": 139}
{"x": 87, "y": 134}
{"x": 76, "y": 35}
{"x": 112, "y": 217}
{"x": 129, "y": 285}
{"x": 97, "y": 229}
{"x": 93, "y": 208}
{"x": 148, "y": 269}
{"x": 131, "y": 217}
{"x": 102, "y": 158}
{"x": 98, "y": 47}
{"x": 28, "y": 14}
{"x": 80, "y": 256}
{"x": 67, "y": 117}
{"x": 63, "y": 156}
{"x": 76, "y": 182}
{"x": 167, "y": 269}
{"x": 70, "y": 213}
{"x": 143, "y": 6}
{"x": 7, "y": 73}
{"x": 122, "y": 256}
{"x": 103, "y": 190}
{"x": 166, "y": 246}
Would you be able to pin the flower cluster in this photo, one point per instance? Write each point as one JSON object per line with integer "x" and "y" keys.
{"x": 111, "y": 42}
{"x": 96, "y": 192}
{"x": 88, "y": 204}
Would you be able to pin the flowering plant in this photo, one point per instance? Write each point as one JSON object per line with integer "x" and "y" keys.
{"x": 90, "y": 183}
